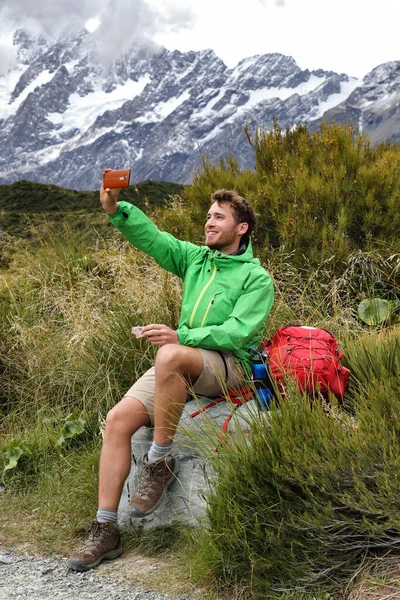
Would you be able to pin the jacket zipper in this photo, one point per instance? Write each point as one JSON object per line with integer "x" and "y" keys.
{"x": 208, "y": 309}
{"x": 203, "y": 291}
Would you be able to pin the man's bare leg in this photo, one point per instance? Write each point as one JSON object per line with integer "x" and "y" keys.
{"x": 115, "y": 460}
{"x": 175, "y": 366}
{"x": 104, "y": 541}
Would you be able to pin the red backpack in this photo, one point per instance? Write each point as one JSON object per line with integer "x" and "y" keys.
{"x": 311, "y": 356}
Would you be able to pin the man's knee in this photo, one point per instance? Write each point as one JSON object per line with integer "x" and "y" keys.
{"x": 114, "y": 418}
{"x": 175, "y": 357}
{"x": 126, "y": 417}
{"x": 170, "y": 354}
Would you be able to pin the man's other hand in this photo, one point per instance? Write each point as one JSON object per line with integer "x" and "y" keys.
{"x": 160, "y": 334}
{"x": 108, "y": 197}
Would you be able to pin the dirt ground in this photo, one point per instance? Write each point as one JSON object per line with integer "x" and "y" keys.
{"x": 162, "y": 574}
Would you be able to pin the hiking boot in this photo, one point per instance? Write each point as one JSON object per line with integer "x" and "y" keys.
{"x": 155, "y": 479}
{"x": 104, "y": 542}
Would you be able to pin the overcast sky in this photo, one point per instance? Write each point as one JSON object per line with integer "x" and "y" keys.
{"x": 351, "y": 36}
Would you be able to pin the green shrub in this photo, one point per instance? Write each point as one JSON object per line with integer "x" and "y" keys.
{"x": 308, "y": 497}
{"x": 42, "y": 442}
{"x": 321, "y": 195}
{"x": 373, "y": 357}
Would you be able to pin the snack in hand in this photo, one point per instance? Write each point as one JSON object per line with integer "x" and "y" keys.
{"x": 137, "y": 331}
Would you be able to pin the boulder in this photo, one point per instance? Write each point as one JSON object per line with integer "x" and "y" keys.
{"x": 185, "y": 500}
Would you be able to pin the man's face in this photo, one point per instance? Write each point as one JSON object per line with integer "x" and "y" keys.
{"x": 222, "y": 231}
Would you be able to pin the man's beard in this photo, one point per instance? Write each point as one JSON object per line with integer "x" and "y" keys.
{"x": 216, "y": 245}
{"x": 221, "y": 243}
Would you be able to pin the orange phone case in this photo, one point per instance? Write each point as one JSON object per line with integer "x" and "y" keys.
{"x": 117, "y": 179}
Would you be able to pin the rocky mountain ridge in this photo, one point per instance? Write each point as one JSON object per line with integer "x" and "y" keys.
{"x": 63, "y": 117}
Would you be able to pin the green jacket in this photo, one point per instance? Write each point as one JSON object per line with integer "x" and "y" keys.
{"x": 226, "y": 298}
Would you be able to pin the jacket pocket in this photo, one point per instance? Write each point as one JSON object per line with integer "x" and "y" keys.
{"x": 220, "y": 306}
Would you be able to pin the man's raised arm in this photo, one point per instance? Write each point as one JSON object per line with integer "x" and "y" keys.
{"x": 170, "y": 253}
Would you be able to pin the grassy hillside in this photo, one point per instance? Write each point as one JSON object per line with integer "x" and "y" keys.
{"x": 25, "y": 203}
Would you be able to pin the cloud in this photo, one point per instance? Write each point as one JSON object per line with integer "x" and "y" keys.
{"x": 47, "y": 16}
{"x": 276, "y": 2}
{"x": 8, "y": 58}
{"x": 127, "y": 22}
{"x": 122, "y": 22}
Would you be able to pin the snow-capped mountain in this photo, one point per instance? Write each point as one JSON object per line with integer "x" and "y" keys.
{"x": 374, "y": 106}
{"x": 63, "y": 118}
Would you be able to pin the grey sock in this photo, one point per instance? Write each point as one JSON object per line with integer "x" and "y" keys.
{"x": 106, "y": 515}
{"x": 158, "y": 451}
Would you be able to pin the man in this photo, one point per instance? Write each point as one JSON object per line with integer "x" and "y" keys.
{"x": 226, "y": 300}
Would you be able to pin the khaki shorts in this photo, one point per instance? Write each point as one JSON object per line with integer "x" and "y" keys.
{"x": 221, "y": 371}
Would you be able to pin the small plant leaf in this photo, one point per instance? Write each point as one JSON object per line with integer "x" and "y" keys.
{"x": 71, "y": 429}
{"x": 13, "y": 455}
{"x": 375, "y": 311}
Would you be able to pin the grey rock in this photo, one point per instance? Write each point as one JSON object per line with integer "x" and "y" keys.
{"x": 5, "y": 560}
{"x": 186, "y": 498}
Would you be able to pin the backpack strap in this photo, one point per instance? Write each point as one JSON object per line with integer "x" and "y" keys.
{"x": 238, "y": 397}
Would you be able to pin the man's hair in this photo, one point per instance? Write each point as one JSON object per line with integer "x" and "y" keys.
{"x": 242, "y": 211}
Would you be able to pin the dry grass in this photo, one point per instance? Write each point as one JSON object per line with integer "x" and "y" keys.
{"x": 380, "y": 582}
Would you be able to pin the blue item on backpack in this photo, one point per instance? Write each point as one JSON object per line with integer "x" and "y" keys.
{"x": 261, "y": 379}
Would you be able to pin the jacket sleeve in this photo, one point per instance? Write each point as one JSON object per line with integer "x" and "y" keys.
{"x": 170, "y": 253}
{"x": 242, "y": 327}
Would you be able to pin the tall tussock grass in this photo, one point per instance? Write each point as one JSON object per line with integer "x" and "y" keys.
{"x": 67, "y": 353}
{"x": 311, "y": 496}
{"x": 66, "y": 322}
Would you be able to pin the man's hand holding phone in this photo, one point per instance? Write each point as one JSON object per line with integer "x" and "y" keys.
{"x": 113, "y": 181}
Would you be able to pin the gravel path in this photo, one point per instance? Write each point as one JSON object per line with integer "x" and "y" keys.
{"x": 23, "y": 576}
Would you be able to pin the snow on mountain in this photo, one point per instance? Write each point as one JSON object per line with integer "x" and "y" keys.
{"x": 63, "y": 118}
{"x": 374, "y": 105}
{"x": 82, "y": 111}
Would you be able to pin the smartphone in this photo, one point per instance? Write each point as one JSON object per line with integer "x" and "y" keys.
{"x": 116, "y": 179}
